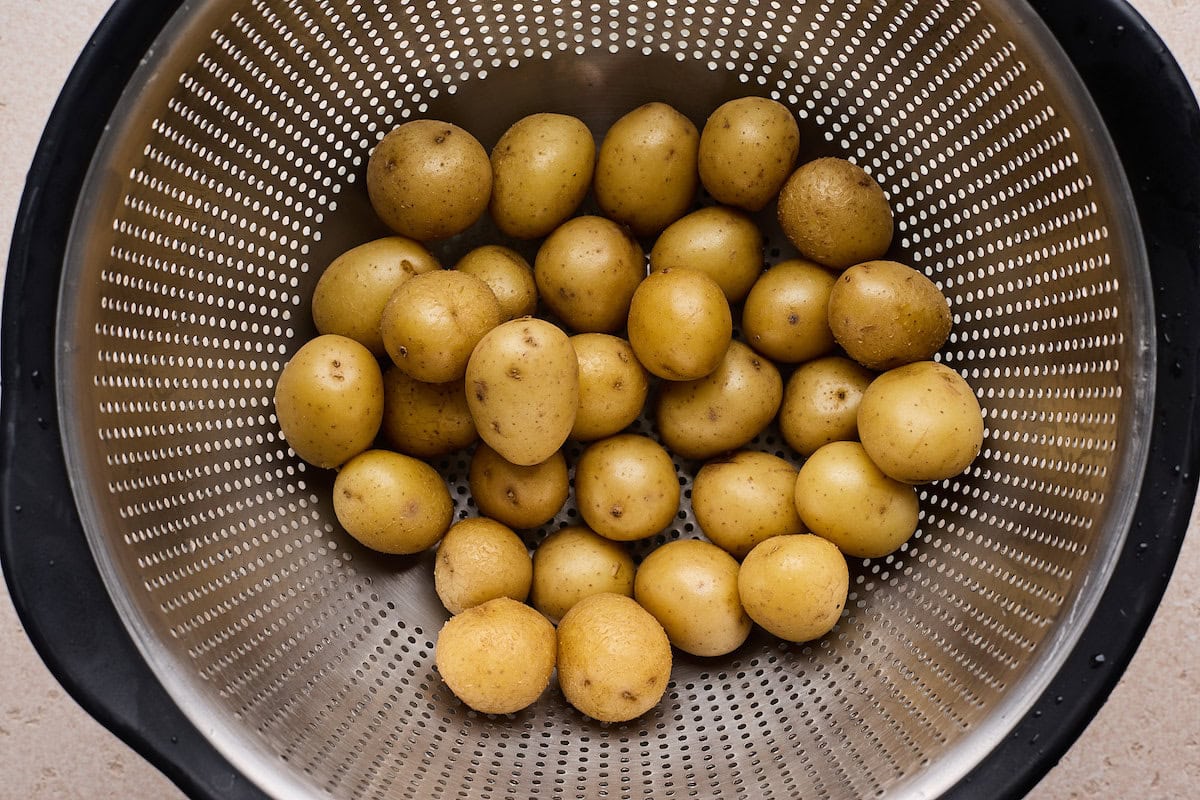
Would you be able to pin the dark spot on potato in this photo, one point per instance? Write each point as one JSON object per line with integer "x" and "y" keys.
{"x": 616, "y": 511}
{"x": 407, "y": 267}
{"x": 496, "y": 425}
{"x": 618, "y": 385}
{"x": 628, "y": 695}
{"x": 793, "y": 319}
{"x": 402, "y": 351}
{"x": 621, "y": 354}
{"x": 511, "y": 494}
{"x": 514, "y": 373}
{"x": 481, "y": 388}
{"x": 443, "y": 136}
{"x": 531, "y": 341}
{"x": 712, "y": 414}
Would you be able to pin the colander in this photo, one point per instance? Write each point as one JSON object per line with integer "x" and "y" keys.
{"x": 182, "y": 572}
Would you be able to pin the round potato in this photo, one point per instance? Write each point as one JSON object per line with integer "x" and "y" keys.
{"x": 920, "y": 422}
{"x": 691, "y": 588}
{"x": 586, "y": 272}
{"x": 885, "y": 314}
{"x": 479, "y": 560}
{"x": 329, "y": 400}
{"x": 785, "y": 316}
{"x": 843, "y": 497}
{"x": 355, "y": 287}
{"x": 820, "y": 403}
{"x": 741, "y": 500}
{"x": 747, "y": 150}
{"x": 542, "y": 169}
{"x": 574, "y": 563}
{"x": 646, "y": 174}
{"x": 433, "y": 321}
{"x": 426, "y": 420}
{"x": 497, "y": 657}
{"x": 613, "y": 386}
{"x": 391, "y": 502}
{"x": 626, "y": 487}
{"x": 507, "y": 274}
{"x": 723, "y": 410}
{"x": 519, "y": 496}
{"x": 429, "y": 179}
{"x": 795, "y": 586}
{"x": 835, "y": 213}
{"x": 680, "y": 324}
{"x": 614, "y": 659}
{"x": 723, "y": 243}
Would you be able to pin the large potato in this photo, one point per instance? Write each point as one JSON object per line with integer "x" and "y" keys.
{"x": 646, "y": 174}
{"x": 586, "y": 272}
{"x": 820, "y": 403}
{"x": 507, "y": 274}
{"x": 426, "y": 420}
{"x": 478, "y": 560}
{"x": 523, "y": 390}
{"x": 391, "y": 502}
{"x": 741, "y": 500}
{"x": 835, "y": 213}
{"x": 329, "y": 400}
{"x": 542, "y": 169}
{"x": 519, "y": 496}
{"x": 626, "y": 487}
{"x": 747, "y": 150}
{"x": 721, "y": 242}
{"x": 785, "y": 316}
{"x": 613, "y": 386}
{"x": 795, "y": 586}
{"x": 680, "y": 324}
{"x": 576, "y": 562}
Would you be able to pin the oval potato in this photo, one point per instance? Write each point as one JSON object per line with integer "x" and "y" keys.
{"x": 576, "y": 562}
{"x": 507, "y": 274}
{"x": 479, "y": 560}
{"x": 626, "y": 487}
{"x": 586, "y": 273}
{"x": 747, "y": 149}
{"x": 721, "y": 242}
{"x": 680, "y": 324}
{"x": 835, "y": 213}
{"x": 786, "y": 314}
{"x": 391, "y": 502}
{"x": 613, "y": 386}
{"x": 795, "y": 586}
{"x": 741, "y": 500}
{"x": 519, "y": 496}
{"x": 820, "y": 403}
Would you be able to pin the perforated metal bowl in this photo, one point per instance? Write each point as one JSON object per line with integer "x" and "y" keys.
{"x": 232, "y": 173}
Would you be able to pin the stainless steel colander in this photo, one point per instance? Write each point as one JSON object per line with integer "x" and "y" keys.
{"x": 232, "y": 173}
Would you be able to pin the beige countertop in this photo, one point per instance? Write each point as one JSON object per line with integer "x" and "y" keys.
{"x": 1144, "y": 743}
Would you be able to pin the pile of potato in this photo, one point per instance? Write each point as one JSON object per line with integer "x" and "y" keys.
{"x": 835, "y": 346}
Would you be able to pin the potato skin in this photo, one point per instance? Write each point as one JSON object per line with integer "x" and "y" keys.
{"x": 835, "y": 213}
{"x": 519, "y": 496}
{"x": 613, "y": 386}
{"x": 479, "y": 560}
{"x": 741, "y": 500}
{"x": 820, "y": 403}
{"x": 507, "y": 274}
{"x": 680, "y": 324}
{"x": 576, "y": 562}
{"x": 721, "y": 242}
{"x": 626, "y": 487}
{"x": 391, "y": 502}
{"x": 795, "y": 586}
{"x": 747, "y": 149}
{"x": 786, "y": 314}
{"x": 425, "y": 420}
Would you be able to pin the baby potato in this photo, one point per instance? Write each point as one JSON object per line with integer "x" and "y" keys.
{"x": 519, "y": 496}
{"x": 507, "y": 274}
{"x": 646, "y": 174}
{"x": 721, "y": 411}
{"x": 747, "y": 150}
{"x": 795, "y": 586}
{"x": 497, "y": 657}
{"x": 885, "y": 314}
{"x": 613, "y": 386}
{"x": 479, "y": 560}
{"x": 433, "y": 321}
{"x": 820, "y": 403}
{"x": 843, "y": 497}
{"x": 426, "y": 420}
{"x": 542, "y": 169}
{"x": 741, "y": 500}
{"x": 586, "y": 272}
{"x": 574, "y": 563}
{"x": 723, "y": 243}
{"x": 329, "y": 400}
{"x": 391, "y": 502}
{"x": 835, "y": 213}
{"x": 691, "y": 588}
{"x": 921, "y": 422}
{"x": 626, "y": 487}
{"x": 429, "y": 179}
{"x": 614, "y": 659}
{"x": 785, "y": 316}
{"x": 523, "y": 390}
{"x": 354, "y": 288}
{"x": 680, "y": 324}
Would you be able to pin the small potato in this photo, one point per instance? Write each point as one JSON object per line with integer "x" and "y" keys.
{"x": 820, "y": 403}
{"x": 523, "y": 390}
{"x": 329, "y": 400}
{"x": 433, "y": 321}
{"x": 795, "y": 586}
{"x": 680, "y": 324}
{"x": 479, "y": 560}
{"x": 586, "y": 272}
{"x": 391, "y": 502}
{"x": 835, "y": 213}
{"x": 355, "y": 287}
{"x": 507, "y": 274}
{"x": 574, "y": 563}
{"x": 723, "y": 243}
{"x": 843, "y": 497}
{"x": 747, "y": 150}
{"x": 542, "y": 169}
{"x": 626, "y": 487}
{"x": 612, "y": 386}
{"x": 426, "y": 420}
{"x": 646, "y": 174}
{"x": 614, "y": 659}
{"x": 721, "y": 411}
{"x": 785, "y": 316}
{"x": 921, "y": 422}
{"x": 429, "y": 179}
{"x": 886, "y": 314}
{"x": 691, "y": 588}
{"x": 741, "y": 500}
{"x": 519, "y": 496}
{"x": 497, "y": 657}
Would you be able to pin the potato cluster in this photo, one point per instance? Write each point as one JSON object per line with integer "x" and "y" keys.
{"x": 657, "y": 303}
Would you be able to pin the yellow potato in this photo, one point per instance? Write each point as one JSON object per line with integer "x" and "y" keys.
{"x": 519, "y": 496}
{"x": 612, "y": 386}
{"x": 820, "y": 403}
{"x": 721, "y": 242}
{"x": 329, "y": 400}
{"x": 747, "y": 150}
{"x": 785, "y": 316}
{"x": 479, "y": 560}
{"x": 626, "y": 487}
{"x": 507, "y": 274}
{"x": 795, "y": 586}
{"x": 426, "y": 420}
{"x": 391, "y": 502}
{"x": 680, "y": 324}
{"x": 574, "y": 563}
{"x": 741, "y": 500}
{"x": 586, "y": 272}
{"x": 835, "y": 213}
